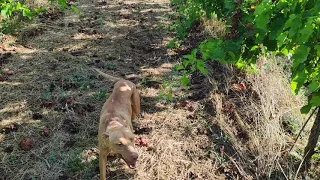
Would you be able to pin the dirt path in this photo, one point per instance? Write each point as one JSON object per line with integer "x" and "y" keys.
{"x": 51, "y": 99}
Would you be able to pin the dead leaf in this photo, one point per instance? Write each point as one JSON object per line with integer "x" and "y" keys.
{"x": 26, "y": 144}
{"x": 142, "y": 142}
{"x": 47, "y": 103}
{"x": 44, "y": 132}
{"x": 184, "y": 105}
{"x": 238, "y": 87}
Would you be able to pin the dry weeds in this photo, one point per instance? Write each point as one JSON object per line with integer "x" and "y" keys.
{"x": 253, "y": 117}
{"x": 213, "y": 27}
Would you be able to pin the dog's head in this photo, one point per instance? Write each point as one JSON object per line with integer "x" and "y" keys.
{"x": 121, "y": 141}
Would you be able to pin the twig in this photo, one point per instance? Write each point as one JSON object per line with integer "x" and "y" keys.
{"x": 300, "y": 165}
{"x": 242, "y": 124}
{"x": 240, "y": 170}
{"x": 304, "y": 125}
{"x": 282, "y": 169}
{"x": 69, "y": 112}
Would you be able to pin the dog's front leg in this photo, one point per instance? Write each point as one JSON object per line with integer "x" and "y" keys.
{"x": 102, "y": 163}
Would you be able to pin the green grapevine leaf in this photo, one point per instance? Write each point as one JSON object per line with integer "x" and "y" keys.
{"x": 314, "y": 86}
{"x": 315, "y": 99}
{"x": 282, "y": 38}
{"x": 259, "y": 10}
{"x": 232, "y": 46}
{"x": 270, "y": 44}
{"x": 285, "y": 51}
{"x": 27, "y": 13}
{"x": 295, "y": 26}
{"x": 305, "y": 109}
{"x": 276, "y": 27}
{"x": 240, "y": 64}
{"x": 5, "y": 11}
{"x": 288, "y": 26}
{"x": 300, "y": 55}
{"x": 18, "y": 6}
{"x": 212, "y": 50}
{"x": 317, "y": 47}
{"x": 290, "y": 21}
{"x": 232, "y": 55}
{"x": 261, "y": 23}
{"x": 298, "y": 79}
{"x": 293, "y": 23}
{"x": 304, "y": 34}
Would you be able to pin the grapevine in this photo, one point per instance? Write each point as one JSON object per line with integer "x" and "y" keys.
{"x": 286, "y": 27}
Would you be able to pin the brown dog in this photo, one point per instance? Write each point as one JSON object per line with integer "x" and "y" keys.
{"x": 115, "y": 127}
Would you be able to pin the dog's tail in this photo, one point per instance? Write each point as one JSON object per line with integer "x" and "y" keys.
{"x": 107, "y": 75}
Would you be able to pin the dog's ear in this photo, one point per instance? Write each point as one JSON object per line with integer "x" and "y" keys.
{"x": 105, "y": 136}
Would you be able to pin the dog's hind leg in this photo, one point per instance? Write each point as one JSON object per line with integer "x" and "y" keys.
{"x": 135, "y": 100}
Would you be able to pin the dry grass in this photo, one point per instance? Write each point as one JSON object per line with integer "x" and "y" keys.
{"x": 253, "y": 119}
{"x": 176, "y": 153}
{"x": 213, "y": 27}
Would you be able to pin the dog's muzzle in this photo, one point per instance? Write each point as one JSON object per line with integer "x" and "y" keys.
{"x": 132, "y": 161}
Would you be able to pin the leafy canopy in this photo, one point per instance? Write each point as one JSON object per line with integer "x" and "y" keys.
{"x": 282, "y": 27}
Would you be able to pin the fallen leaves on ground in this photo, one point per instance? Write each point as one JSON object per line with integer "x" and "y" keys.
{"x": 142, "y": 142}
{"x": 26, "y": 144}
